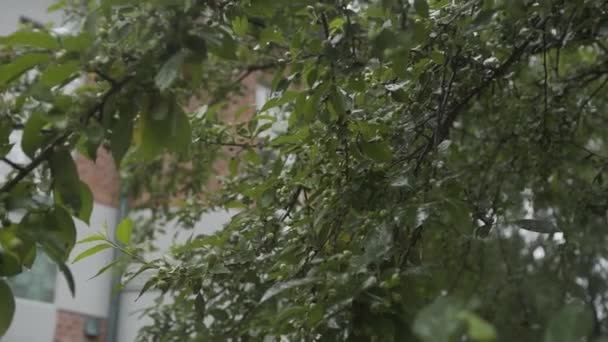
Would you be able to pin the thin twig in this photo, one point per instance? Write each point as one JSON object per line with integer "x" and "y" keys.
{"x": 500, "y": 71}
{"x": 106, "y": 77}
{"x": 292, "y": 203}
{"x": 12, "y": 163}
{"x": 46, "y": 152}
{"x": 27, "y": 169}
{"x": 237, "y": 82}
{"x": 546, "y": 74}
{"x": 416, "y": 236}
{"x": 229, "y": 144}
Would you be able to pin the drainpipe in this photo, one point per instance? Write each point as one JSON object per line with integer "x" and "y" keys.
{"x": 114, "y": 311}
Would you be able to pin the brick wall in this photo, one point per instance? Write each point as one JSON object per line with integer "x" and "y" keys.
{"x": 103, "y": 179}
{"x": 71, "y": 328}
{"x": 101, "y": 176}
{"x": 247, "y": 98}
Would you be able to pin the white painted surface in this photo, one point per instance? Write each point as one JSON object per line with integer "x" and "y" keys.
{"x": 129, "y": 319}
{"x": 208, "y": 224}
{"x": 16, "y": 154}
{"x": 10, "y": 10}
{"x": 280, "y": 124}
{"x": 92, "y": 295}
{"x": 33, "y": 322}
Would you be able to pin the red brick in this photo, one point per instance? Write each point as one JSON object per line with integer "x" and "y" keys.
{"x": 70, "y": 328}
{"x": 101, "y": 176}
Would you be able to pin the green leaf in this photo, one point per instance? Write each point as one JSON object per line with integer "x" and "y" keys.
{"x": 336, "y": 24}
{"x": 536, "y": 225}
{"x": 384, "y": 40}
{"x": 54, "y": 230}
{"x": 420, "y": 30}
{"x": 288, "y": 313}
{"x": 574, "y": 322}
{"x": 142, "y": 269}
{"x": 67, "y": 186}
{"x": 33, "y": 138}
{"x": 478, "y": 328}
{"x": 64, "y": 229}
{"x": 60, "y": 73}
{"x": 378, "y": 244}
{"x": 271, "y": 34}
{"x": 5, "y": 132}
{"x": 18, "y": 66}
{"x": 92, "y": 238}
{"x": 39, "y": 39}
{"x": 172, "y": 133}
{"x": 18, "y": 249}
{"x": 67, "y": 274}
{"x": 122, "y": 135}
{"x": 105, "y": 268}
{"x": 86, "y": 203}
{"x": 297, "y": 137}
{"x": 284, "y": 286}
{"x": 377, "y": 150}
{"x": 57, "y": 6}
{"x": 240, "y": 26}
{"x": 277, "y": 101}
{"x": 315, "y": 314}
{"x": 336, "y": 104}
{"x": 438, "y": 321}
{"x": 7, "y": 307}
{"x": 252, "y": 157}
{"x": 422, "y": 8}
{"x": 225, "y": 47}
{"x": 9, "y": 263}
{"x": 108, "y": 4}
{"x": 124, "y": 231}
{"x": 149, "y": 283}
{"x": 199, "y": 305}
{"x": 78, "y": 43}
{"x": 91, "y": 251}
{"x": 170, "y": 70}
{"x": 59, "y": 251}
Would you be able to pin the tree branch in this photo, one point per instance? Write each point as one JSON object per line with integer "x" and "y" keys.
{"x": 106, "y": 77}
{"x": 228, "y": 144}
{"x": 26, "y": 170}
{"x": 247, "y": 71}
{"x": 46, "y": 152}
{"x": 452, "y": 115}
{"x": 12, "y": 163}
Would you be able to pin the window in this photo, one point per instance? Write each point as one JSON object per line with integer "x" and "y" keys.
{"x": 38, "y": 283}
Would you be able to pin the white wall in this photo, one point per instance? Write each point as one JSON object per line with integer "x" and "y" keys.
{"x": 10, "y": 10}
{"x": 130, "y": 313}
{"x": 92, "y": 295}
{"x": 33, "y": 322}
{"x": 129, "y": 320}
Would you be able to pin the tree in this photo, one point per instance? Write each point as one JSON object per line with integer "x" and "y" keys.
{"x": 422, "y": 136}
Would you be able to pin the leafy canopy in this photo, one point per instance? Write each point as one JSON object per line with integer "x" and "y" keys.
{"x": 440, "y": 176}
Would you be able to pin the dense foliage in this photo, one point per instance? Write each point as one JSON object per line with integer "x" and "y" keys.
{"x": 441, "y": 176}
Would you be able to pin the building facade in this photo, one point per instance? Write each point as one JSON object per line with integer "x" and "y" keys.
{"x": 46, "y": 310}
